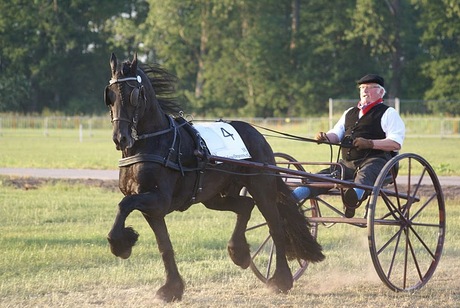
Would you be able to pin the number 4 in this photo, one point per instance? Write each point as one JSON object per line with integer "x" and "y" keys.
{"x": 226, "y": 133}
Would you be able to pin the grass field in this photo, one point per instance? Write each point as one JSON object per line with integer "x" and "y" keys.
{"x": 54, "y": 252}
{"x": 64, "y": 149}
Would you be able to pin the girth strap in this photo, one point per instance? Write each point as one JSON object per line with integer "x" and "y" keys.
{"x": 201, "y": 160}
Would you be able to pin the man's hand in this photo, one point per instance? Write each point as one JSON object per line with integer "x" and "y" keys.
{"x": 321, "y": 137}
{"x": 363, "y": 144}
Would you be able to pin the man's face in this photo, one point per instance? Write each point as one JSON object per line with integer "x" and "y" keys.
{"x": 370, "y": 92}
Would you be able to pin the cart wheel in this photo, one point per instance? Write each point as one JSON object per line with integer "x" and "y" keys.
{"x": 406, "y": 223}
{"x": 262, "y": 246}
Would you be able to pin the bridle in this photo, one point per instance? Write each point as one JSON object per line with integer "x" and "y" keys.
{"x": 136, "y": 93}
{"x": 173, "y": 127}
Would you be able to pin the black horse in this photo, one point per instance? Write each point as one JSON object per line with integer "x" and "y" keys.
{"x": 164, "y": 168}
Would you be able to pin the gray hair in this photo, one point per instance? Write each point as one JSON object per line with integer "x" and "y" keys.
{"x": 384, "y": 91}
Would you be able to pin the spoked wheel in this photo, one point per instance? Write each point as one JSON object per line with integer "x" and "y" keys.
{"x": 406, "y": 223}
{"x": 262, "y": 246}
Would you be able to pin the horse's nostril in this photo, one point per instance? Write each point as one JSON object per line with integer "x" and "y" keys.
{"x": 121, "y": 141}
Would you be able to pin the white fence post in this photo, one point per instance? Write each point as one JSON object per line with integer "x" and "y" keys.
{"x": 46, "y": 127}
{"x": 331, "y": 112}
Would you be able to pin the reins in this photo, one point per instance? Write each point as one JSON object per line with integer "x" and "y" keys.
{"x": 299, "y": 138}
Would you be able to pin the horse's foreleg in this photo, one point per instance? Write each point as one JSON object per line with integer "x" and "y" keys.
{"x": 173, "y": 289}
{"x": 122, "y": 239}
{"x": 238, "y": 247}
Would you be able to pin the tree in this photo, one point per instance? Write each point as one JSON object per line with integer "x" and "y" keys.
{"x": 233, "y": 58}
{"x": 54, "y": 49}
{"x": 383, "y": 28}
{"x": 329, "y": 62}
{"x": 18, "y": 40}
{"x": 440, "y": 22}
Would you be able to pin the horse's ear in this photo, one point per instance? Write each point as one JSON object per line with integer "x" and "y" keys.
{"x": 134, "y": 65}
{"x": 113, "y": 63}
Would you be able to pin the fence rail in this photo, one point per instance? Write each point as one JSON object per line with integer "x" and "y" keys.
{"x": 415, "y": 125}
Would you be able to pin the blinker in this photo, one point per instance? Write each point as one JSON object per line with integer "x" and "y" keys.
{"x": 134, "y": 99}
{"x": 106, "y": 99}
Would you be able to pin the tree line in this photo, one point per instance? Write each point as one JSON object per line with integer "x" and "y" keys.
{"x": 260, "y": 58}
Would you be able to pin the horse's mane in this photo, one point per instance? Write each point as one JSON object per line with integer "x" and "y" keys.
{"x": 164, "y": 85}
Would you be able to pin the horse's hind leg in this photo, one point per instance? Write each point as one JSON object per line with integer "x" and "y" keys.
{"x": 238, "y": 247}
{"x": 265, "y": 196}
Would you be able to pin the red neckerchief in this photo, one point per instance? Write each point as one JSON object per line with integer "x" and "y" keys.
{"x": 366, "y": 108}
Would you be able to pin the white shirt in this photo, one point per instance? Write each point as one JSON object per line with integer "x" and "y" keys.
{"x": 391, "y": 124}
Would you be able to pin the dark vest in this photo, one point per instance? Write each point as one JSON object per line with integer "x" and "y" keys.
{"x": 368, "y": 127}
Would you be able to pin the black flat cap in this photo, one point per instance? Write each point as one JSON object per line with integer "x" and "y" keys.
{"x": 372, "y": 78}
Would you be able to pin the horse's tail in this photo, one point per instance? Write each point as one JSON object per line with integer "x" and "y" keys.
{"x": 299, "y": 241}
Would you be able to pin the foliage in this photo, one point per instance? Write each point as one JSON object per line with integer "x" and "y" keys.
{"x": 54, "y": 48}
{"x": 240, "y": 58}
{"x": 441, "y": 42}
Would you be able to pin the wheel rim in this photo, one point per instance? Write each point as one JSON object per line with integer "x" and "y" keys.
{"x": 406, "y": 223}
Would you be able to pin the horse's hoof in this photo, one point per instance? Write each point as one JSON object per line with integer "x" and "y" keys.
{"x": 122, "y": 245}
{"x": 240, "y": 255}
{"x": 119, "y": 250}
{"x": 277, "y": 287}
{"x": 168, "y": 298}
{"x": 125, "y": 254}
{"x": 171, "y": 292}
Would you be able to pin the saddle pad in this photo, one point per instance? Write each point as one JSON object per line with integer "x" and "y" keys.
{"x": 222, "y": 140}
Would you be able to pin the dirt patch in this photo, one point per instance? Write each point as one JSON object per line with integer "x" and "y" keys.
{"x": 27, "y": 183}
{"x": 450, "y": 192}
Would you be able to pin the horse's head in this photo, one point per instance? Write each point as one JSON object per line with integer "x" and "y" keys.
{"x": 124, "y": 96}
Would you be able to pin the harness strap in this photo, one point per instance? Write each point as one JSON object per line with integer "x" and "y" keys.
{"x": 137, "y": 78}
{"x": 152, "y": 158}
{"x": 201, "y": 160}
{"x": 161, "y": 132}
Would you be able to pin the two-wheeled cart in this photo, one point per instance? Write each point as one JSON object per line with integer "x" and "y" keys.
{"x": 404, "y": 215}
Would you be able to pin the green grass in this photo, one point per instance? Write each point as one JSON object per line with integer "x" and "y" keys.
{"x": 63, "y": 149}
{"x": 28, "y": 148}
{"x": 54, "y": 253}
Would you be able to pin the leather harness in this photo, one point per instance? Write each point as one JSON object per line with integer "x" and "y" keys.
{"x": 200, "y": 160}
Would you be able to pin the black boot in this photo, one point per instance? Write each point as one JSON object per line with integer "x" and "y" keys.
{"x": 351, "y": 202}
